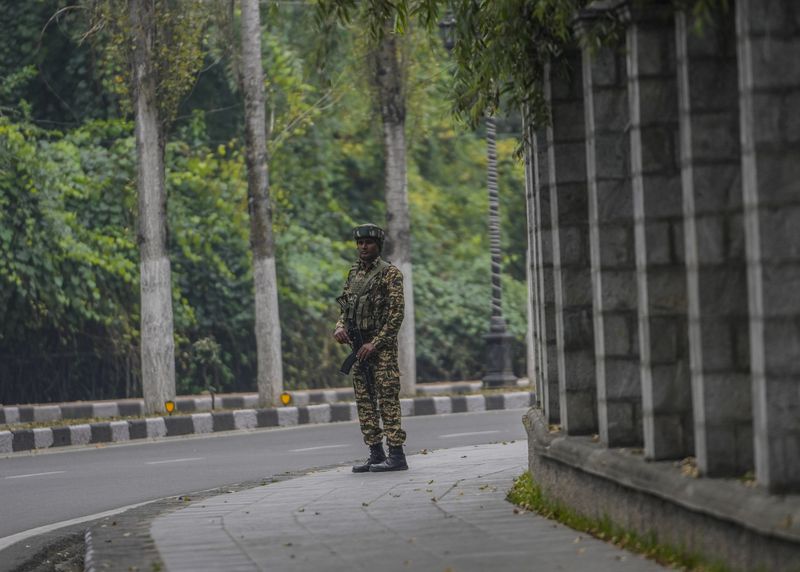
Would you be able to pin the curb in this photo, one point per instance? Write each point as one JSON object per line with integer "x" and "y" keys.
{"x": 242, "y": 419}
{"x": 135, "y": 407}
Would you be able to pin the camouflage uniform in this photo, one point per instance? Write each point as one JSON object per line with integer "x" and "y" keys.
{"x": 383, "y": 296}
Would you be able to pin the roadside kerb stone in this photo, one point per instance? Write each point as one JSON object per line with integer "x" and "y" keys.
{"x": 344, "y": 412}
{"x": 80, "y": 434}
{"x": 517, "y": 400}
{"x": 244, "y": 419}
{"x": 460, "y": 387}
{"x": 101, "y": 432}
{"x": 42, "y": 438}
{"x": 442, "y": 404}
{"x": 25, "y": 413}
{"x": 301, "y": 400}
{"x": 465, "y": 403}
{"x": 288, "y": 416}
{"x": 495, "y": 402}
{"x": 203, "y": 423}
{"x": 23, "y": 440}
{"x": 77, "y": 411}
{"x": 178, "y": 425}
{"x": 137, "y": 429}
{"x": 425, "y": 406}
{"x": 47, "y": 413}
{"x": 105, "y": 410}
{"x": 315, "y": 414}
{"x": 6, "y": 442}
{"x": 62, "y": 437}
{"x": 9, "y": 415}
{"x": 133, "y": 407}
{"x": 119, "y": 431}
{"x": 156, "y": 427}
{"x": 267, "y": 417}
{"x": 223, "y": 421}
{"x": 130, "y": 408}
{"x": 187, "y": 404}
{"x": 324, "y": 396}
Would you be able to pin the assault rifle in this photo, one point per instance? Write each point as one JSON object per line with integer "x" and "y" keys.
{"x": 356, "y": 341}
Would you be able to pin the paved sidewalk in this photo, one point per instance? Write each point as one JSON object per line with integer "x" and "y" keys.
{"x": 447, "y": 513}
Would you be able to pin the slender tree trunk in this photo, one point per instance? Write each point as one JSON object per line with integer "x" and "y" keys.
{"x": 389, "y": 81}
{"x": 268, "y": 327}
{"x": 158, "y": 347}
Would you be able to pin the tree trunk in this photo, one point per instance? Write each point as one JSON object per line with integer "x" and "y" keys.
{"x": 267, "y": 327}
{"x": 389, "y": 82}
{"x": 158, "y": 346}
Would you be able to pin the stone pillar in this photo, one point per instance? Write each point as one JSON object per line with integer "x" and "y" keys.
{"x": 566, "y": 146}
{"x": 547, "y": 299}
{"x": 768, "y": 33}
{"x": 714, "y": 233}
{"x": 613, "y": 259}
{"x": 535, "y": 375}
{"x": 658, "y": 230}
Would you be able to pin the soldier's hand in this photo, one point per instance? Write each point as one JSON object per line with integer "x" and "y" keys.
{"x": 365, "y": 351}
{"x": 340, "y": 335}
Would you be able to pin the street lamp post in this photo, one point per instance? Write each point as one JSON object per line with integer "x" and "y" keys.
{"x": 498, "y": 341}
{"x": 499, "y": 353}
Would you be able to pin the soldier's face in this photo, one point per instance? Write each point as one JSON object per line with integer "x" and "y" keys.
{"x": 367, "y": 249}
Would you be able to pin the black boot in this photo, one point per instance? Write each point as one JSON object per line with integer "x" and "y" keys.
{"x": 395, "y": 462}
{"x": 376, "y": 455}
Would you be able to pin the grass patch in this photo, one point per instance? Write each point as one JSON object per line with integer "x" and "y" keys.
{"x": 528, "y": 495}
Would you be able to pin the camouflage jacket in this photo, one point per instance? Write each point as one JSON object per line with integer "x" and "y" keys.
{"x": 386, "y": 300}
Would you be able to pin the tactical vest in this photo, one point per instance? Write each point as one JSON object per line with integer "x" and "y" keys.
{"x": 359, "y": 304}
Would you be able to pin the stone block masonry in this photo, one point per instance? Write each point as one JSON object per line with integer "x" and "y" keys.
{"x": 714, "y": 239}
{"x": 611, "y": 232}
{"x": 658, "y": 227}
{"x": 691, "y": 137}
{"x": 769, "y": 103}
{"x": 547, "y": 300}
{"x": 566, "y": 154}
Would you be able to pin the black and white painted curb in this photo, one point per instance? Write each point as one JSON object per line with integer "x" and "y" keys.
{"x": 135, "y": 407}
{"x": 54, "y": 412}
{"x": 212, "y": 422}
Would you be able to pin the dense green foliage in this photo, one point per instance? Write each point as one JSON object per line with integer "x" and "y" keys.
{"x": 69, "y": 313}
{"x": 501, "y": 48}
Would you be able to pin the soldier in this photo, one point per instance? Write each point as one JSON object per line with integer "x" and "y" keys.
{"x": 372, "y": 311}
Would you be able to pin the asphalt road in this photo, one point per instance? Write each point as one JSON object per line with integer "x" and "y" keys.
{"x": 43, "y": 488}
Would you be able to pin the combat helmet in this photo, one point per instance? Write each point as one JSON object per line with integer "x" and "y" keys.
{"x": 370, "y": 230}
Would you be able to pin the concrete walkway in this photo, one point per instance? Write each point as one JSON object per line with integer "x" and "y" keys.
{"x": 447, "y": 513}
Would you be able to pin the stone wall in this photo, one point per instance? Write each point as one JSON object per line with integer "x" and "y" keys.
{"x": 664, "y": 251}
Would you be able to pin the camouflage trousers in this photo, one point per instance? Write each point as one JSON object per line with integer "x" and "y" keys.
{"x": 386, "y": 405}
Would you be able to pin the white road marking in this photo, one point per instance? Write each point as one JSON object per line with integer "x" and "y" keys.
{"x": 469, "y": 434}
{"x": 35, "y": 475}
{"x": 317, "y": 448}
{"x": 174, "y": 460}
{"x": 20, "y": 536}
